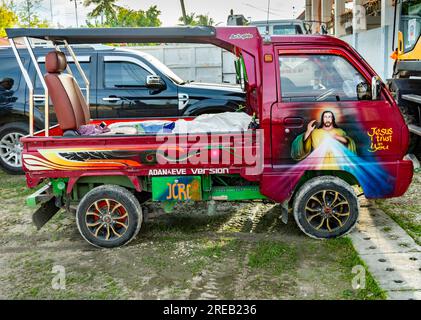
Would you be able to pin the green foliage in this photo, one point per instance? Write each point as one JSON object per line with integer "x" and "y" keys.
{"x": 27, "y": 16}
{"x": 197, "y": 20}
{"x": 136, "y": 18}
{"x": 7, "y": 18}
{"x": 125, "y": 17}
{"x": 104, "y": 8}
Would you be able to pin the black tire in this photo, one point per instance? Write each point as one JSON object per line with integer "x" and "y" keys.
{"x": 320, "y": 218}
{"x": 10, "y": 152}
{"x": 97, "y": 220}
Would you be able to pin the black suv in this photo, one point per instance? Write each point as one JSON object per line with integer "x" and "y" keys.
{"x": 118, "y": 90}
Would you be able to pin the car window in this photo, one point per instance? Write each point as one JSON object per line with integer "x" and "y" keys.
{"x": 9, "y": 70}
{"x": 9, "y": 79}
{"x": 124, "y": 74}
{"x": 85, "y": 66}
{"x": 286, "y": 29}
{"x": 318, "y": 78}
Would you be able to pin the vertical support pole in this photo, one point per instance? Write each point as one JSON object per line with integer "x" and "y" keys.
{"x": 339, "y": 10}
{"x": 315, "y": 15}
{"x": 44, "y": 85}
{"x": 28, "y": 83}
{"x": 79, "y": 68}
{"x": 326, "y": 12}
{"x": 308, "y": 10}
{"x": 387, "y": 17}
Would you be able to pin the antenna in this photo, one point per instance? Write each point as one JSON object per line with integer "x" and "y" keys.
{"x": 267, "y": 18}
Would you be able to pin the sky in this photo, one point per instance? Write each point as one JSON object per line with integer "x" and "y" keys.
{"x": 64, "y": 10}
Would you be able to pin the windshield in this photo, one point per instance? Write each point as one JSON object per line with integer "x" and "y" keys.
{"x": 162, "y": 68}
{"x": 410, "y": 24}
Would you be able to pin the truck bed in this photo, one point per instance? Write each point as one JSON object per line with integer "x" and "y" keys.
{"x": 137, "y": 155}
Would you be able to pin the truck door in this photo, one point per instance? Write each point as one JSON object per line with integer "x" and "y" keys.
{"x": 122, "y": 91}
{"x": 326, "y": 119}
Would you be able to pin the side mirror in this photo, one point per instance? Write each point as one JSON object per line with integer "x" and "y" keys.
{"x": 375, "y": 88}
{"x": 154, "y": 82}
{"x": 363, "y": 91}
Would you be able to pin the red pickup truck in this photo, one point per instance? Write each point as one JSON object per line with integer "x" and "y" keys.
{"x": 321, "y": 125}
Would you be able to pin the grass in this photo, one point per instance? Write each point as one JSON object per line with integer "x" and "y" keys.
{"x": 275, "y": 256}
{"x": 348, "y": 260}
{"x": 406, "y": 210}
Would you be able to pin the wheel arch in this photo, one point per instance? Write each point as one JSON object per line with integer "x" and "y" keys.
{"x": 309, "y": 174}
{"x": 77, "y": 187}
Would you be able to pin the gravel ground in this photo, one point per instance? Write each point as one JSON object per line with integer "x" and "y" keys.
{"x": 242, "y": 251}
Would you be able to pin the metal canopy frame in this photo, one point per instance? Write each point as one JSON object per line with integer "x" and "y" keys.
{"x": 238, "y": 40}
{"x": 45, "y": 96}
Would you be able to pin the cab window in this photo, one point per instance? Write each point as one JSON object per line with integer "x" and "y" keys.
{"x": 320, "y": 78}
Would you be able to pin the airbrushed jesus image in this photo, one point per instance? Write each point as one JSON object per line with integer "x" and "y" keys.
{"x": 326, "y": 141}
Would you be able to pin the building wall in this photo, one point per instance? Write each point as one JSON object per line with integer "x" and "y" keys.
{"x": 200, "y": 63}
{"x": 371, "y": 47}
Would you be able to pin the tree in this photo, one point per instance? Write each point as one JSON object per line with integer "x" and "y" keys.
{"x": 125, "y": 17}
{"x": 196, "y": 20}
{"x": 188, "y": 20}
{"x": 27, "y": 14}
{"x": 205, "y": 20}
{"x": 106, "y": 8}
{"x": 8, "y": 18}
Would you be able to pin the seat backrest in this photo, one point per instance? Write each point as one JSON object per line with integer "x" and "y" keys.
{"x": 67, "y": 99}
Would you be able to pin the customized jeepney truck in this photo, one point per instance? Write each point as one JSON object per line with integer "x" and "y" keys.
{"x": 321, "y": 128}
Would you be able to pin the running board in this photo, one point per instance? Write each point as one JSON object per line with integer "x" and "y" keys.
{"x": 412, "y": 97}
{"x": 414, "y": 129}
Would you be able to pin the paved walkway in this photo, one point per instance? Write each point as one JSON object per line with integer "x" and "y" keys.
{"x": 392, "y": 256}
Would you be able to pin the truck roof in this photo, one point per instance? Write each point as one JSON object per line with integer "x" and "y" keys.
{"x": 113, "y": 35}
{"x": 187, "y": 34}
{"x": 309, "y": 39}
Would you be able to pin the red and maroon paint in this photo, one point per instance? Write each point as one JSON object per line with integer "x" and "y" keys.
{"x": 377, "y": 128}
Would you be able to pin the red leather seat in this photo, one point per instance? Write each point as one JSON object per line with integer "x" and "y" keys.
{"x": 65, "y": 94}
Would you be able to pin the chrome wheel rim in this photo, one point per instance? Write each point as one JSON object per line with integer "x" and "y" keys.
{"x": 107, "y": 219}
{"x": 327, "y": 210}
{"x": 11, "y": 149}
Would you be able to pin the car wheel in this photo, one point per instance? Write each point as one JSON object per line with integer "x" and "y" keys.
{"x": 109, "y": 216}
{"x": 326, "y": 207}
{"x": 11, "y": 147}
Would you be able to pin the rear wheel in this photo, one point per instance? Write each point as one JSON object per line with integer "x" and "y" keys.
{"x": 326, "y": 207}
{"x": 109, "y": 216}
{"x": 11, "y": 147}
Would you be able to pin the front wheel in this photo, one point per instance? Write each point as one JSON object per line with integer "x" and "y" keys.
{"x": 326, "y": 207}
{"x": 109, "y": 216}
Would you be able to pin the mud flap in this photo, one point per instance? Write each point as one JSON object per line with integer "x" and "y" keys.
{"x": 45, "y": 213}
{"x": 284, "y": 212}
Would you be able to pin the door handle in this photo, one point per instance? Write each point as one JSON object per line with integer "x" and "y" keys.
{"x": 294, "y": 122}
{"x": 112, "y": 99}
